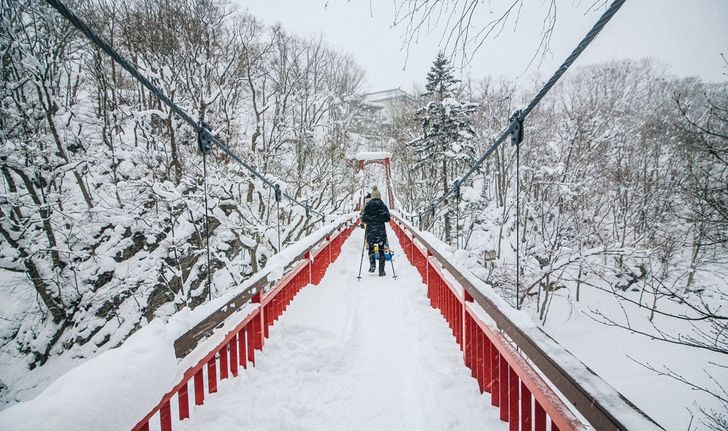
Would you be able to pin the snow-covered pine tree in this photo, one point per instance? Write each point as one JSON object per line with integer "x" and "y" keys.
{"x": 445, "y": 148}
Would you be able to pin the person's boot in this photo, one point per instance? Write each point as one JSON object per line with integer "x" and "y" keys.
{"x": 382, "y": 273}
{"x": 372, "y": 265}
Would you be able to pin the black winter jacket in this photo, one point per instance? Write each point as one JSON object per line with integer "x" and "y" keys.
{"x": 375, "y": 214}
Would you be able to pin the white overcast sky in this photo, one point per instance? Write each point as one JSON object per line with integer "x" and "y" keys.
{"x": 688, "y": 35}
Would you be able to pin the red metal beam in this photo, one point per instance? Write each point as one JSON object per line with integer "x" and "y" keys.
{"x": 387, "y": 173}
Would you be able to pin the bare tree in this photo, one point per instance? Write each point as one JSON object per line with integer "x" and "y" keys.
{"x": 466, "y": 25}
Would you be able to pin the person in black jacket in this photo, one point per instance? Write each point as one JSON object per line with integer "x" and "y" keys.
{"x": 375, "y": 214}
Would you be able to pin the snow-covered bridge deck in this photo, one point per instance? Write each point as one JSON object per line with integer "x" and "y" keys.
{"x": 354, "y": 355}
{"x": 427, "y": 351}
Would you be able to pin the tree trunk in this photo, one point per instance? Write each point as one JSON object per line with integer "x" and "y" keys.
{"x": 44, "y": 213}
{"x": 55, "y": 307}
{"x": 50, "y": 117}
{"x": 448, "y": 236}
{"x": 173, "y": 146}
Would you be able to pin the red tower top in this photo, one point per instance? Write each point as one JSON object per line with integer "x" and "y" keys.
{"x": 381, "y": 158}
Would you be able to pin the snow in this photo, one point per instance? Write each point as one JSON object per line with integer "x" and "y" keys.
{"x": 617, "y": 355}
{"x": 519, "y": 318}
{"x": 372, "y": 155}
{"x": 115, "y": 389}
{"x": 274, "y": 269}
{"x": 111, "y": 391}
{"x": 356, "y": 356}
{"x": 593, "y": 383}
{"x": 279, "y": 261}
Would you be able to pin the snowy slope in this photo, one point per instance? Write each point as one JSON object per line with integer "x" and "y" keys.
{"x": 620, "y": 358}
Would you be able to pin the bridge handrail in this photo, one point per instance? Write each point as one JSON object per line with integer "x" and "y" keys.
{"x": 240, "y": 340}
{"x": 184, "y": 344}
{"x": 599, "y": 403}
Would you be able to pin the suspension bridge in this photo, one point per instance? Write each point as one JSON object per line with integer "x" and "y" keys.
{"x": 434, "y": 349}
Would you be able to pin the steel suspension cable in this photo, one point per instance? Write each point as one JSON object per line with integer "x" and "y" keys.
{"x": 457, "y": 215}
{"x": 277, "y": 191}
{"x": 101, "y": 43}
{"x": 519, "y": 116}
{"x": 205, "y": 150}
{"x": 518, "y": 227}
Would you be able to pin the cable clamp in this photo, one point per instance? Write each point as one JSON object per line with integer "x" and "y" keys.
{"x": 204, "y": 139}
{"x": 516, "y": 128}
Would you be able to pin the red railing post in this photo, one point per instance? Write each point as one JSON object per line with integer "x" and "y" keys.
{"x": 281, "y": 300}
{"x": 445, "y": 298}
{"x": 525, "y": 408}
{"x": 455, "y": 310}
{"x": 539, "y": 417}
{"x": 258, "y": 323}
{"x": 183, "y": 402}
{"x": 479, "y": 356}
{"x": 426, "y": 275}
{"x": 233, "y": 346}
{"x": 476, "y": 347}
{"x": 199, "y": 388}
{"x": 212, "y": 375}
{"x": 310, "y": 264}
{"x": 461, "y": 322}
{"x": 224, "y": 362}
{"x": 242, "y": 355}
{"x": 268, "y": 313}
{"x": 468, "y": 347}
{"x": 494, "y": 376}
{"x": 513, "y": 387}
{"x": 165, "y": 417}
{"x": 250, "y": 335}
{"x": 487, "y": 364}
{"x": 412, "y": 248}
{"x": 503, "y": 386}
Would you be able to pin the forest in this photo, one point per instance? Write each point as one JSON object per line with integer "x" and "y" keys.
{"x": 619, "y": 187}
{"x": 102, "y": 202}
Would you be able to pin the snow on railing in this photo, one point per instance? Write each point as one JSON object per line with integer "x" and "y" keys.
{"x": 371, "y": 155}
{"x": 148, "y": 378}
{"x": 525, "y": 400}
{"x": 236, "y": 349}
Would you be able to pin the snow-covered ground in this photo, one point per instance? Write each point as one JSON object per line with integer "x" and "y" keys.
{"x": 622, "y": 357}
{"x": 354, "y": 355}
{"x": 619, "y": 357}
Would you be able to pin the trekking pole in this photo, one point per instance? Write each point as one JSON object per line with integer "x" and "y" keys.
{"x": 361, "y": 261}
{"x": 391, "y": 260}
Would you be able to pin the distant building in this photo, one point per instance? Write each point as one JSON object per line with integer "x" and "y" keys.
{"x": 375, "y": 112}
{"x": 390, "y": 102}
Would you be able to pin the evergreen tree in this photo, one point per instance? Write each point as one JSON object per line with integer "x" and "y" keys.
{"x": 441, "y": 82}
{"x": 445, "y": 148}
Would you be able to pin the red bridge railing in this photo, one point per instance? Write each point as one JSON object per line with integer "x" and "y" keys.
{"x": 524, "y": 399}
{"x": 510, "y": 369}
{"x": 503, "y": 360}
{"x": 237, "y": 348}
